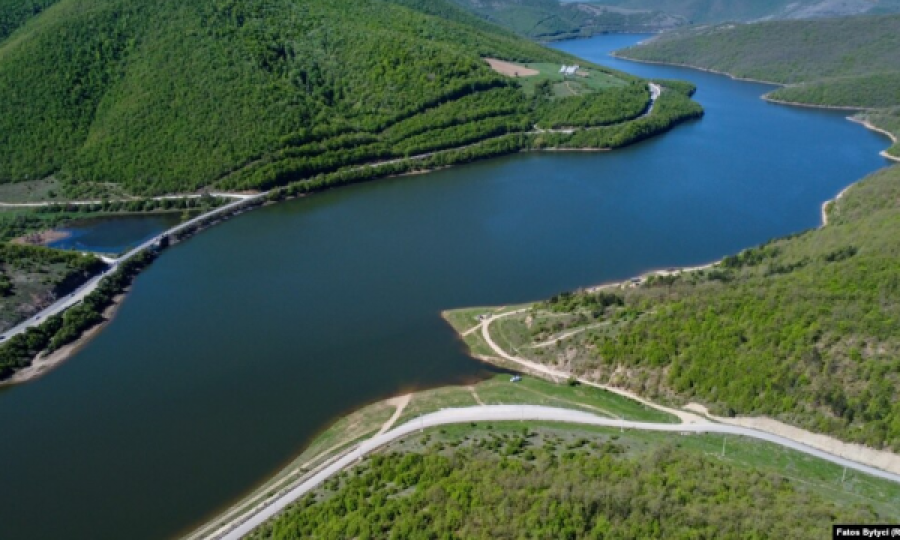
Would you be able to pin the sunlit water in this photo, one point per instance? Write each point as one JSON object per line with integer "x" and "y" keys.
{"x": 236, "y": 347}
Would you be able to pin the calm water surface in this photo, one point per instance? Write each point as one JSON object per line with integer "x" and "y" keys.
{"x": 114, "y": 235}
{"x": 238, "y": 346}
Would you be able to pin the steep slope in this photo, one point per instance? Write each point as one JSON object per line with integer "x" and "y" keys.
{"x": 845, "y": 62}
{"x": 803, "y": 329}
{"x": 552, "y": 20}
{"x": 15, "y": 13}
{"x": 163, "y": 96}
{"x": 713, "y": 11}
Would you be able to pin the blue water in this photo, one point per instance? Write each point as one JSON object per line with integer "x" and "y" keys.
{"x": 113, "y": 234}
{"x": 236, "y": 347}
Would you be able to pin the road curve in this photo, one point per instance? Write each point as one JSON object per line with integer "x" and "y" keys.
{"x": 498, "y": 413}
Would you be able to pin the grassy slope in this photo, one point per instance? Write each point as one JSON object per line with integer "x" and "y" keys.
{"x": 535, "y": 480}
{"x": 843, "y": 62}
{"x": 171, "y": 95}
{"x": 803, "y": 329}
{"x": 551, "y": 20}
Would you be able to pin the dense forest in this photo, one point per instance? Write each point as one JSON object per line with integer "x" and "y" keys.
{"x": 535, "y": 485}
{"x": 15, "y": 13}
{"x": 802, "y": 329}
{"x": 714, "y": 11}
{"x": 553, "y": 20}
{"x": 170, "y": 96}
{"x": 843, "y": 62}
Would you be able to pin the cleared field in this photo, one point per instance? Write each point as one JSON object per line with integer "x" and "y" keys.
{"x": 509, "y": 69}
{"x": 31, "y": 191}
{"x": 587, "y": 81}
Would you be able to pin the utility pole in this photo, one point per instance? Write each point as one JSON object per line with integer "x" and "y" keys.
{"x": 844, "y": 476}
{"x": 724, "y": 440}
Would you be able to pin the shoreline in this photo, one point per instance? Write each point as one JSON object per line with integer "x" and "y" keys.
{"x": 870, "y": 126}
{"x": 640, "y": 278}
{"x": 43, "y": 364}
{"x": 698, "y": 68}
{"x": 42, "y": 238}
{"x": 693, "y": 412}
{"x": 766, "y": 97}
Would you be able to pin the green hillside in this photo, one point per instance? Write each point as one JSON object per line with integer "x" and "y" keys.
{"x": 552, "y": 20}
{"x": 515, "y": 480}
{"x": 713, "y": 11}
{"x": 844, "y": 62}
{"x": 14, "y": 13}
{"x": 166, "y": 96}
{"x": 803, "y": 329}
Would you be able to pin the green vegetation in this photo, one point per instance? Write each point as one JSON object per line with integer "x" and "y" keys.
{"x": 844, "y": 62}
{"x": 803, "y": 329}
{"x": 587, "y": 82}
{"x": 172, "y": 96}
{"x": 671, "y": 109}
{"x": 551, "y": 20}
{"x": 22, "y": 222}
{"x": 14, "y": 13}
{"x": 511, "y": 480}
{"x": 32, "y": 277}
{"x": 888, "y": 120}
{"x": 785, "y": 52}
{"x": 59, "y": 330}
{"x": 709, "y": 11}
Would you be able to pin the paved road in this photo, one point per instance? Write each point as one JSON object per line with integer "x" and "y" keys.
{"x": 78, "y": 295}
{"x": 531, "y": 413}
{"x": 88, "y": 287}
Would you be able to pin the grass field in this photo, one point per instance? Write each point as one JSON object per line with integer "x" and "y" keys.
{"x": 31, "y": 191}
{"x": 571, "y": 85}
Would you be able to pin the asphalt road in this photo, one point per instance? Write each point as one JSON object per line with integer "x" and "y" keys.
{"x": 522, "y": 412}
{"x": 89, "y": 286}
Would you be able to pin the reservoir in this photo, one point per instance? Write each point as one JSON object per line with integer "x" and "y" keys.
{"x": 113, "y": 235}
{"x": 239, "y": 345}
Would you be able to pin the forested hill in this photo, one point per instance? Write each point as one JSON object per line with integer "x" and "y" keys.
{"x": 802, "y": 329}
{"x": 172, "y": 95}
{"x": 14, "y": 13}
{"x": 843, "y": 62}
{"x": 713, "y": 11}
{"x": 551, "y": 20}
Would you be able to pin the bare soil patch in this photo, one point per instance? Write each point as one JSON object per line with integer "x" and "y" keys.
{"x": 509, "y": 69}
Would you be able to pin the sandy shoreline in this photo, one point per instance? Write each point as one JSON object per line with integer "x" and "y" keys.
{"x": 43, "y": 364}
{"x": 766, "y": 97}
{"x": 873, "y": 127}
{"x": 640, "y": 278}
{"x": 42, "y": 238}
